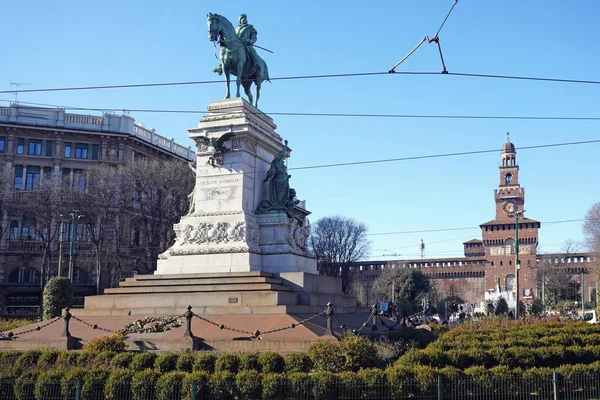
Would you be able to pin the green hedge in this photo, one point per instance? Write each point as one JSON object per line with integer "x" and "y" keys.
{"x": 58, "y": 294}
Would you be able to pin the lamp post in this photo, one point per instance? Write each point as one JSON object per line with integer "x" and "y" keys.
{"x": 75, "y": 216}
{"x": 513, "y": 211}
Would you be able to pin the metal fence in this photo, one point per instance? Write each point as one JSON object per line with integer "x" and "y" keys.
{"x": 575, "y": 387}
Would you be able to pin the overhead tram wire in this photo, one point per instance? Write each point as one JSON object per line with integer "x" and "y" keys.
{"x": 424, "y": 157}
{"x": 464, "y": 228}
{"x": 322, "y": 76}
{"x": 334, "y": 115}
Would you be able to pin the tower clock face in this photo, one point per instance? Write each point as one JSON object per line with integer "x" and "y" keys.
{"x": 508, "y": 178}
{"x": 509, "y": 207}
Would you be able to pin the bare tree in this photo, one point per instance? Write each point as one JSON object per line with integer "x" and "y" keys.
{"x": 591, "y": 228}
{"x": 99, "y": 203}
{"x": 160, "y": 190}
{"x": 338, "y": 241}
{"x": 5, "y": 193}
{"x": 553, "y": 272}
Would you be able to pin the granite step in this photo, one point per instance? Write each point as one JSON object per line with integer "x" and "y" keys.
{"x": 211, "y": 275}
{"x": 200, "y": 281}
{"x": 241, "y": 287}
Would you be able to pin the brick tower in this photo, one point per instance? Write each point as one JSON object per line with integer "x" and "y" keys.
{"x": 499, "y": 236}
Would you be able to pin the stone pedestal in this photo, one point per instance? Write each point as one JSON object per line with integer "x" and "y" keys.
{"x": 236, "y": 144}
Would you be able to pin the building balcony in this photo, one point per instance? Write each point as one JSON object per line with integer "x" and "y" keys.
{"x": 32, "y": 246}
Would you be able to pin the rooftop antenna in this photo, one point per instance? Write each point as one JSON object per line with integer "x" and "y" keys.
{"x": 422, "y": 248}
{"x": 18, "y": 85}
{"x": 435, "y": 39}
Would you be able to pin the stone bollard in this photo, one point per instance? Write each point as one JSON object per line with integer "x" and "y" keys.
{"x": 375, "y": 315}
{"x": 189, "y": 314}
{"x": 329, "y": 313}
{"x": 67, "y": 317}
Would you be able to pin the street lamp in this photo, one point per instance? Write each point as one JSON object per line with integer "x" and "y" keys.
{"x": 513, "y": 211}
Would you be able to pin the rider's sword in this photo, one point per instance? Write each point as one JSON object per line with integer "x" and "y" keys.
{"x": 262, "y": 48}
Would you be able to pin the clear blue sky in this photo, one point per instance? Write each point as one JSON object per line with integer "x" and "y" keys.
{"x": 75, "y": 43}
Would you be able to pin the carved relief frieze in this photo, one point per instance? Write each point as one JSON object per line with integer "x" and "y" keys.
{"x": 202, "y": 144}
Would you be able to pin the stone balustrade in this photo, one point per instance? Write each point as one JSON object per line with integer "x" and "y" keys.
{"x": 58, "y": 118}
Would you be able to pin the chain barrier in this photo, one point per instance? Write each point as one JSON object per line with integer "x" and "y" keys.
{"x": 93, "y": 326}
{"x": 345, "y": 328}
{"x": 38, "y": 328}
{"x": 258, "y": 333}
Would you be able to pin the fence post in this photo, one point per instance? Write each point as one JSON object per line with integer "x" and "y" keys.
{"x": 78, "y": 389}
{"x": 440, "y": 387}
{"x": 329, "y": 313}
{"x": 194, "y": 389}
{"x": 66, "y": 317}
{"x": 316, "y": 389}
{"x": 555, "y": 391}
{"x": 188, "y": 323}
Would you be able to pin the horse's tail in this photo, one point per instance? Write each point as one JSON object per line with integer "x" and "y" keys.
{"x": 265, "y": 72}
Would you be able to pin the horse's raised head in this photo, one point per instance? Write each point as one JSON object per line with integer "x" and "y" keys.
{"x": 213, "y": 27}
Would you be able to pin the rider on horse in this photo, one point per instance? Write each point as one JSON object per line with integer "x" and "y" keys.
{"x": 248, "y": 36}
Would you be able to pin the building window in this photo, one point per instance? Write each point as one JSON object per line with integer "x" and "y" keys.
{"x": 135, "y": 237}
{"x": 14, "y": 230}
{"x": 20, "y": 146}
{"x": 24, "y": 275}
{"x": 18, "y": 183}
{"x": 2, "y": 144}
{"x": 35, "y": 148}
{"x": 79, "y": 178}
{"x": 95, "y": 152}
{"x": 67, "y": 150}
{"x": 28, "y": 226}
{"x": 81, "y": 151}
{"x": 49, "y": 148}
{"x": 32, "y": 179}
{"x": 46, "y": 177}
{"x": 66, "y": 177}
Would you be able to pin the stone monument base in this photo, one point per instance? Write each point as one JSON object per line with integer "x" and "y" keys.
{"x": 231, "y": 293}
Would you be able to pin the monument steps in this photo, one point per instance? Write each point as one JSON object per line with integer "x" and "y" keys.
{"x": 199, "y": 281}
{"x": 203, "y": 275}
{"x": 241, "y": 287}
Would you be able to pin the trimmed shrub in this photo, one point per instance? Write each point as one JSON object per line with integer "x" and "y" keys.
{"x": 58, "y": 294}
{"x": 48, "y": 358}
{"x": 358, "y": 352}
{"x": 25, "y": 385}
{"x": 328, "y": 385}
{"x": 185, "y": 362}
{"x": 68, "y": 386}
{"x": 202, "y": 385}
{"x": 115, "y": 343}
{"x": 143, "y": 385}
{"x": 67, "y": 358}
{"x": 205, "y": 362}
{"x": 301, "y": 385}
{"x": 103, "y": 358}
{"x": 84, "y": 358}
{"x": 271, "y": 363}
{"x": 326, "y": 355}
{"x": 47, "y": 386}
{"x": 121, "y": 360}
{"x": 227, "y": 362}
{"x": 248, "y": 385}
{"x": 28, "y": 359}
{"x": 372, "y": 383}
{"x": 350, "y": 385}
{"x": 222, "y": 386}
{"x": 249, "y": 362}
{"x": 169, "y": 385}
{"x": 118, "y": 384}
{"x": 165, "y": 362}
{"x": 9, "y": 358}
{"x": 298, "y": 362}
{"x": 274, "y": 386}
{"x": 93, "y": 384}
{"x": 142, "y": 361}
{"x": 8, "y": 375}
